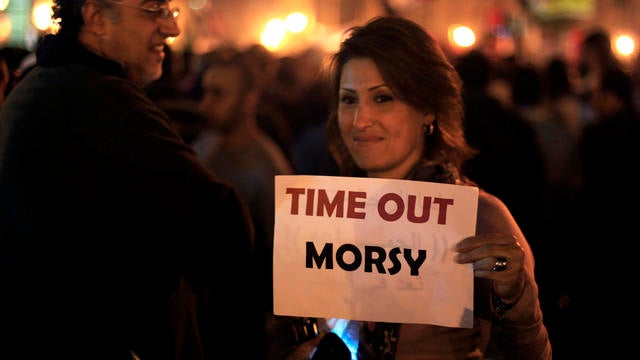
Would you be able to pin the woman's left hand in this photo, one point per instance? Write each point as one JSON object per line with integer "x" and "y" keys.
{"x": 486, "y": 252}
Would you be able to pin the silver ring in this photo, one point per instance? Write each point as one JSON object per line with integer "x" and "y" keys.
{"x": 500, "y": 264}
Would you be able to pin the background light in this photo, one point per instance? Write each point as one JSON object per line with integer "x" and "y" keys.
{"x": 624, "y": 45}
{"x": 41, "y": 15}
{"x": 462, "y": 36}
{"x": 296, "y": 22}
{"x": 4, "y": 4}
{"x": 273, "y": 33}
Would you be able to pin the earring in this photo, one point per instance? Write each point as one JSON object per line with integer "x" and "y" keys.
{"x": 428, "y": 129}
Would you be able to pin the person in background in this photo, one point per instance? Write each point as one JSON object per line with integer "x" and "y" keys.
{"x": 396, "y": 113}
{"x": 19, "y": 61}
{"x": 507, "y": 147}
{"x": 607, "y": 211}
{"x": 171, "y": 92}
{"x": 298, "y": 93}
{"x": 5, "y": 75}
{"x": 596, "y": 56}
{"x": 545, "y": 98}
{"x": 270, "y": 114}
{"x": 112, "y": 230}
{"x": 613, "y": 139}
{"x": 233, "y": 146}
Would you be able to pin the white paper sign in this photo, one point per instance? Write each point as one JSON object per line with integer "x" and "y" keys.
{"x": 372, "y": 249}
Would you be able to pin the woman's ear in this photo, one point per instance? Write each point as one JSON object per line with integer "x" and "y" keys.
{"x": 429, "y": 118}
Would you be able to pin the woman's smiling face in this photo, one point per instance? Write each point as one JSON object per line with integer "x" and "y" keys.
{"x": 384, "y": 135}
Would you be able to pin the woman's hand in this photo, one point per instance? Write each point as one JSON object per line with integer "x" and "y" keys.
{"x": 486, "y": 251}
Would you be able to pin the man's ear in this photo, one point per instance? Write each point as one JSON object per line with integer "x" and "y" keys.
{"x": 94, "y": 18}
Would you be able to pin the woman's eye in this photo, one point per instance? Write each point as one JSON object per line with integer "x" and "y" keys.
{"x": 347, "y": 99}
{"x": 383, "y": 98}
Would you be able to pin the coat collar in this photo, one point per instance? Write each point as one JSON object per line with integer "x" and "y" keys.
{"x": 58, "y": 50}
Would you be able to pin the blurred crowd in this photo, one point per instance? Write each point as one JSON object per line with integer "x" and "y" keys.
{"x": 555, "y": 143}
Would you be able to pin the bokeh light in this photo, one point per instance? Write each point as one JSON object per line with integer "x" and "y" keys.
{"x": 461, "y": 36}
{"x": 41, "y": 15}
{"x": 274, "y": 32}
{"x": 296, "y": 22}
{"x": 624, "y": 45}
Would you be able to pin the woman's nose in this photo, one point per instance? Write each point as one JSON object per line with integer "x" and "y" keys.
{"x": 361, "y": 118}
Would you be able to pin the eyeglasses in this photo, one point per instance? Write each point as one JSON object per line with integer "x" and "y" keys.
{"x": 158, "y": 12}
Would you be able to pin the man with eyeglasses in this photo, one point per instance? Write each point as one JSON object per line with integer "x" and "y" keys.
{"x": 116, "y": 242}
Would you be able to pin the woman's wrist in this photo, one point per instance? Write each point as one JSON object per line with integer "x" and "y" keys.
{"x": 501, "y": 304}
{"x": 510, "y": 293}
{"x": 499, "y": 307}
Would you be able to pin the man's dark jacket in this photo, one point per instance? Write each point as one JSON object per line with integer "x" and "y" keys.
{"x": 103, "y": 210}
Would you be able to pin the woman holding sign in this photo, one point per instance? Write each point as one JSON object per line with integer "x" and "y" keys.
{"x": 397, "y": 114}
